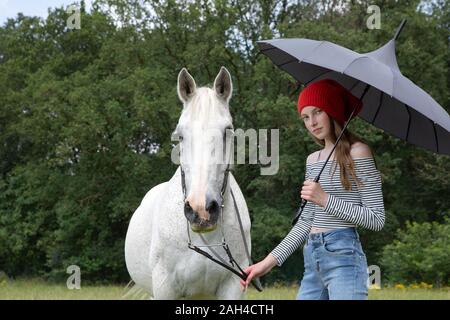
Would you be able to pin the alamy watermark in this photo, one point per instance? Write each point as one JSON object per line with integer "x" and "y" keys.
{"x": 74, "y": 20}
{"x": 374, "y": 20}
{"x": 74, "y": 280}
{"x": 217, "y": 147}
{"x": 374, "y": 280}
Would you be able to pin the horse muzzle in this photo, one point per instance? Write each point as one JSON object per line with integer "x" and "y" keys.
{"x": 199, "y": 224}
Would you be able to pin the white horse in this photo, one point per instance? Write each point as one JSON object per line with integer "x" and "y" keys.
{"x": 156, "y": 246}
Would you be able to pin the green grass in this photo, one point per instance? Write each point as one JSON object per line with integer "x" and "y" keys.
{"x": 289, "y": 293}
{"x": 35, "y": 289}
{"x": 40, "y": 290}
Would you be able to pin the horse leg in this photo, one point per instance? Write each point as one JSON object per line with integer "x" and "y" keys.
{"x": 162, "y": 284}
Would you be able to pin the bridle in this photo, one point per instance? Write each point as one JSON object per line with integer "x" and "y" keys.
{"x": 218, "y": 259}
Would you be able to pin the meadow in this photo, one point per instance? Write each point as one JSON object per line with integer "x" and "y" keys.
{"x": 35, "y": 289}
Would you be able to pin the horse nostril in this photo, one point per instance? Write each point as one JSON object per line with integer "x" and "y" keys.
{"x": 189, "y": 212}
{"x": 212, "y": 206}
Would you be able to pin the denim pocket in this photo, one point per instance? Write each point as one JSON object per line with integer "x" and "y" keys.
{"x": 343, "y": 246}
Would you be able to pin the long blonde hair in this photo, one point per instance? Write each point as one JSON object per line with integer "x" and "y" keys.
{"x": 342, "y": 153}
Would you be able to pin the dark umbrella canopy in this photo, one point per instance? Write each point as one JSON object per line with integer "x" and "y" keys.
{"x": 393, "y": 102}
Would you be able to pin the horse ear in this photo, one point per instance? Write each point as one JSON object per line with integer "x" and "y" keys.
{"x": 223, "y": 85}
{"x": 186, "y": 85}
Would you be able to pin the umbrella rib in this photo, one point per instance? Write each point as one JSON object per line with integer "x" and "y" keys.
{"x": 353, "y": 86}
{"x": 378, "y": 108}
{"x": 290, "y": 61}
{"x": 409, "y": 121}
{"x": 267, "y": 49}
{"x": 435, "y": 135}
{"x": 317, "y": 77}
{"x": 354, "y": 60}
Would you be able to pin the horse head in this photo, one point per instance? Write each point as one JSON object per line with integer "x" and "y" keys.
{"x": 203, "y": 132}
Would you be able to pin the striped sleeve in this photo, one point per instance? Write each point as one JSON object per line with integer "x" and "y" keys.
{"x": 369, "y": 213}
{"x": 298, "y": 233}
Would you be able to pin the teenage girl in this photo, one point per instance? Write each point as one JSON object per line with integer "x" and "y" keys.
{"x": 347, "y": 195}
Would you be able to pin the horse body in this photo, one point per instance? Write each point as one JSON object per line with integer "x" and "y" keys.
{"x": 156, "y": 247}
{"x": 156, "y": 251}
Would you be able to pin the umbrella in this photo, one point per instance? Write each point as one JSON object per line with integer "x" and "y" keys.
{"x": 391, "y": 101}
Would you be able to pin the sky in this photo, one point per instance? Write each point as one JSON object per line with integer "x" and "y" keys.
{"x": 10, "y": 8}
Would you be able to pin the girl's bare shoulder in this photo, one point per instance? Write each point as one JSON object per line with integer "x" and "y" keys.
{"x": 360, "y": 150}
{"x": 312, "y": 157}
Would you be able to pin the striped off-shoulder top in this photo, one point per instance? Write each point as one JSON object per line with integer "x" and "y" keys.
{"x": 362, "y": 206}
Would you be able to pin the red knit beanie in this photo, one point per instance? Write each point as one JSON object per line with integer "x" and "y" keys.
{"x": 331, "y": 97}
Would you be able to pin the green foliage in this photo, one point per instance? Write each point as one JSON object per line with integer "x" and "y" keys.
{"x": 420, "y": 253}
{"x": 86, "y": 117}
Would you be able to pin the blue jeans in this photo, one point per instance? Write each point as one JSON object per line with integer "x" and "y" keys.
{"x": 335, "y": 267}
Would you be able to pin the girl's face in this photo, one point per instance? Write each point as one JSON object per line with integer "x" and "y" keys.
{"x": 316, "y": 121}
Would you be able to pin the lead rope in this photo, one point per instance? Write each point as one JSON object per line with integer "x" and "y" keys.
{"x": 247, "y": 252}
